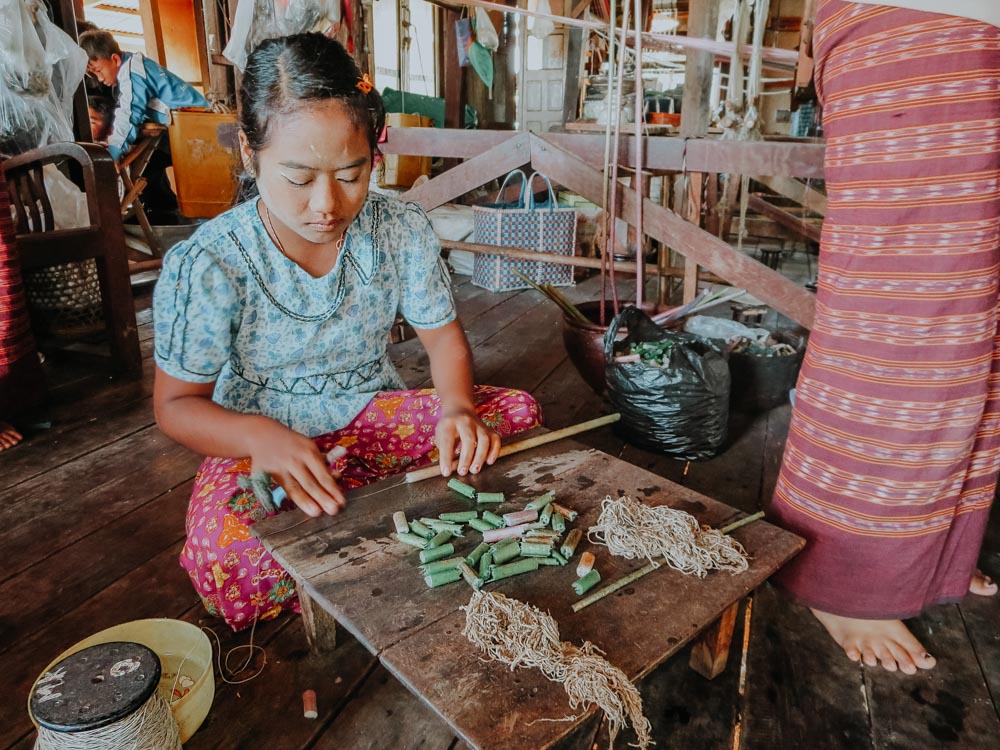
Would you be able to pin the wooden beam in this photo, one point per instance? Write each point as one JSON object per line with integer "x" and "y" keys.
{"x": 807, "y": 197}
{"x": 706, "y": 250}
{"x": 470, "y": 174}
{"x": 797, "y": 224}
{"x": 789, "y": 158}
{"x": 577, "y": 261}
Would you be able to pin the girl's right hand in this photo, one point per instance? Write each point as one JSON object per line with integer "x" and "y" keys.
{"x": 295, "y": 463}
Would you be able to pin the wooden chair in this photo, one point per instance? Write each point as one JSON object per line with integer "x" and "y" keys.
{"x": 145, "y": 255}
{"x": 40, "y": 245}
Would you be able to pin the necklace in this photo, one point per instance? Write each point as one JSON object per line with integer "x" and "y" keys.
{"x": 277, "y": 239}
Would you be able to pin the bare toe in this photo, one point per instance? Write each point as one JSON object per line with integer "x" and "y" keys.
{"x": 982, "y": 584}
{"x": 886, "y": 658}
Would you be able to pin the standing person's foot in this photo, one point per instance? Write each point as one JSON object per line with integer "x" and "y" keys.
{"x": 9, "y": 437}
{"x": 982, "y": 584}
{"x": 874, "y": 642}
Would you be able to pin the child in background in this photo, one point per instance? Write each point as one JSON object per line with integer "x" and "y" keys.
{"x": 272, "y": 322}
{"x": 145, "y": 92}
{"x": 102, "y": 113}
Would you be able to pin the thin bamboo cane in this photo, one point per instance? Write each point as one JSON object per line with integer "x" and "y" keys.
{"x": 522, "y": 445}
{"x": 623, "y": 582}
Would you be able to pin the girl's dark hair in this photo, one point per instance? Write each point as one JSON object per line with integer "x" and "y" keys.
{"x": 284, "y": 73}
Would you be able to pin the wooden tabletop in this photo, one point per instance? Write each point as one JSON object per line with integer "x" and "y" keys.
{"x": 352, "y": 567}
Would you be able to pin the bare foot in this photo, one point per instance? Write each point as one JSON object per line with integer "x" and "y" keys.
{"x": 982, "y": 584}
{"x": 9, "y": 437}
{"x": 874, "y": 642}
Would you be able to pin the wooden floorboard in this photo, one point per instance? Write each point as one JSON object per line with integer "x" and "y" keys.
{"x": 92, "y": 520}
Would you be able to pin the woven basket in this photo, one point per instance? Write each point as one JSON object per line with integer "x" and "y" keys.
{"x": 65, "y": 300}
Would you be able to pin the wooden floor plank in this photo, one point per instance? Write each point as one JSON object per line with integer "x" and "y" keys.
{"x": 79, "y": 426}
{"x": 981, "y": 614}
{"x": 266, "y": 712}
{"x": 384, "y": 714}
{"x": 83, "y": 569}
{"x": 145, "y": 465}
{"x": 801, "y": 691}
{"x": 948, "y": 706}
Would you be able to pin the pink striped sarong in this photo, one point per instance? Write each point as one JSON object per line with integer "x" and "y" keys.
{"x": 235, "y": 576}
{"x": 894, "y": 446}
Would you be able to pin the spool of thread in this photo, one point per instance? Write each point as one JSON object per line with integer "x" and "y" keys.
{"x": 104, "y": 698}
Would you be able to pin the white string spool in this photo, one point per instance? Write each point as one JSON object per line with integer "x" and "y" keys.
{"x": 104, "y": 698}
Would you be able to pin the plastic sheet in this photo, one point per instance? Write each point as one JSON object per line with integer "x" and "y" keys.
{"x": 40, "y": 70}
{"x": 680, "y": 408}
{"x": 257, "y": 20}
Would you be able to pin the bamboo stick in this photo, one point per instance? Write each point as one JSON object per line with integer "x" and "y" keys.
{"x": 522, "y": 445}
{"x": 649, "y": 568}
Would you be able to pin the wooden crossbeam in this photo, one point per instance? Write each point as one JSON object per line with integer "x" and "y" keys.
{"x": 470, "y": 174}
{"x": 797, "y": 224}
{"x": 689, "y": 240}
{"x": 801, "y": 159}
{"x": 807, "y": 197}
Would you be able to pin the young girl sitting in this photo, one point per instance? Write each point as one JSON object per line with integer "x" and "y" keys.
{"x": 272, "y": 325}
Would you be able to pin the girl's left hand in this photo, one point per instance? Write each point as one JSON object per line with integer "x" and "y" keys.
{"x": 479, "y": 445}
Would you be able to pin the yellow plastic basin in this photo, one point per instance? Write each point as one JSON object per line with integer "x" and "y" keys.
{"x": 178, "y": 644}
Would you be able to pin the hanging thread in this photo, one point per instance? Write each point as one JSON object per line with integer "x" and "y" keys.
{"x": 633, "y": 530}
{"x": 519, "y": 635}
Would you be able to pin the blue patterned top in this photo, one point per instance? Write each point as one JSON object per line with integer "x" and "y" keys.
{"x": 229, "y": 307}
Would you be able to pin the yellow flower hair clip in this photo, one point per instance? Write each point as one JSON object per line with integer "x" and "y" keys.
{"x": 365, "y": 84}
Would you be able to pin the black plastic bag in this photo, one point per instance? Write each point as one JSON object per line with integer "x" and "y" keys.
{"x": 681, "y": 408}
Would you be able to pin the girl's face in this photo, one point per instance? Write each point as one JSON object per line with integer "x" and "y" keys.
{"x": 313, "y": 174}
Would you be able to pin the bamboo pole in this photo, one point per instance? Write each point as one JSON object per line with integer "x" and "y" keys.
{"x": 522, "y": 445}
{"x": 650, "y": 567}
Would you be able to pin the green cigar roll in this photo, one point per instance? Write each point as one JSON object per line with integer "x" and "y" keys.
{"x": 461, "y": 516}
{"x": 421, "y": 529}
{"x": 438, "y": 539}
{"x": 582, "y": 585}
{"x": 540, "y": 502}
{"x": 436, "y": 553}
{"x": 559, "y": 558}
{"x": 434, "y": 567}
{"x": 547, "y": 561}
{"x": 558, "y": 522}
{"x": 493, "y": 519}
{"x": 470, "y": 576}
{"x": 548, "y": 541}
{"x": 462, "y": 488}
{"x": 455, "y": 529}
{"x": 442, "y": 577}
{"x": 546, "y": 515}
{"x": 506, "y": 552}
{"x": 480, "y": 525}
{"x": 489, "y": 498}
{"x": 535, "y": 550}
{"x": 550, "y": 533}
{"x": 473, "y": 557}
{"x": 499, "y": 572}
{"x": 412, "y": 539}
{"x": 485, "y": 562}
{"x": 569, "y": 546}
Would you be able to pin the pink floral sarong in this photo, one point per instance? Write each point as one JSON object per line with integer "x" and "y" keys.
{"x": 235, "y": 576}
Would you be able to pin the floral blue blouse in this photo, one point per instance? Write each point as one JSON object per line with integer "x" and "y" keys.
{"x": 229, "y": 307}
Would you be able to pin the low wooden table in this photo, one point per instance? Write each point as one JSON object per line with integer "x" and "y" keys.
{"x": 349, "y": 569}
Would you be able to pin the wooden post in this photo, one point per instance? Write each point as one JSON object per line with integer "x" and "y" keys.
{"x": 320, "y": 627}
{"x": 149, "y": 10}
{"x": 703, "y": 19}
{"x": 711, "y": 651}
